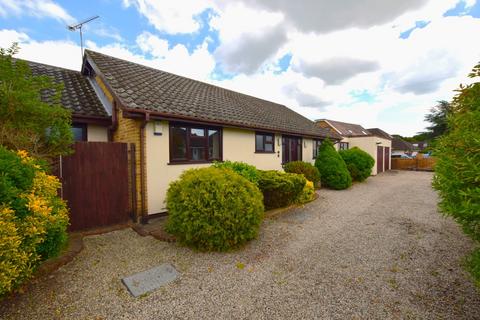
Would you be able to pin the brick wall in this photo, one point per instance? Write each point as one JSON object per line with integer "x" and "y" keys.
{"x": 129, "y": 131}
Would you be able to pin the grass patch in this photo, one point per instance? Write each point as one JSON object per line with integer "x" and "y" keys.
{"x": 473, "y": 266}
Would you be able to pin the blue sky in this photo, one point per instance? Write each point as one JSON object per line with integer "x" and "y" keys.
{"x": 377, "y": 64}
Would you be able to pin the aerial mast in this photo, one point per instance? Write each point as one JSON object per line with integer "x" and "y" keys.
{"x": 78, "y": 26}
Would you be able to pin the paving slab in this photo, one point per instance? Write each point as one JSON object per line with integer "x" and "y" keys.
{"x": 150, "y": 280}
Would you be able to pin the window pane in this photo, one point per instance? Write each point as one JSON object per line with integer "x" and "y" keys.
{"x": 268, "y": 147}
{"x": 259, "y": 142}
{"x": 268, "y": 138}
{"x": 78, "y": 133}
{"x": 197, "y": 132}
{"x": 198, "y": 153}
{"x": 214, "y": 144}
{"x": 179, "y": 143}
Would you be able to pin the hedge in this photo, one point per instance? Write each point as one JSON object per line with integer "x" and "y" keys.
{"x": 280, "y": 189}
{"x": 359, "y": 163}
{"x": 244, "y": 169}
{"x": 213, "y": 209}
{"x": 307, "y": 169}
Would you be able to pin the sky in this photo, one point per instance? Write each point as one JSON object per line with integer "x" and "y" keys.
{"x": 375, "y": 63}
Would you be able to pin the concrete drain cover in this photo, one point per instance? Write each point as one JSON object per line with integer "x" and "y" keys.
{"x": 151, "y": 279}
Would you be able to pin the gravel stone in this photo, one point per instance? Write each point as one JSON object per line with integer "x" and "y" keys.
{"x": 380, "y": 250}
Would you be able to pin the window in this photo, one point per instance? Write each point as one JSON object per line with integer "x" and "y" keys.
{"x": 343, "y": 145}
{"x": 79, "y": 131}
{"x": 195, "y": 143}
{"x": 264, "y": 142}
{"x": 316, "y": 145}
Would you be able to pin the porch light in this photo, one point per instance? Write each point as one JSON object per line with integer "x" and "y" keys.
{"x": 278, "y": 141}
{"x": 157, "y": 128}
{"x": 304, "y": 143}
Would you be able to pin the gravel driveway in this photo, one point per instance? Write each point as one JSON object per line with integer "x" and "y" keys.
{"x": 379, "y": 250}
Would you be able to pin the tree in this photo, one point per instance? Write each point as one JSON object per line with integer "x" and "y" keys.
{"x": 438, "y": 118}
{"x": 26, "y": 121}
{"x": 457, "y": 172}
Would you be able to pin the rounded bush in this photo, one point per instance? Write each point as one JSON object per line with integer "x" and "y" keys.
{"x": 279, "y": 188}
{"x": 213, "y": 209}
{"x": 244, "y": 169}
{"x": 359, "y": 163}
{"x": 305, "y": 168}
{"x": 33, "y": 219}
{"x": 332, "y": 168}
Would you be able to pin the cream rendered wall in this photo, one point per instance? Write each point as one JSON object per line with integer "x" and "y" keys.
{"x": 238, "y": 145}
{"x": 307, "y": 150}
{"x": 97, "y": 133}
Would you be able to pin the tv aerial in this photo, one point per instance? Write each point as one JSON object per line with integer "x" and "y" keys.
{"x": 78, "y": 26}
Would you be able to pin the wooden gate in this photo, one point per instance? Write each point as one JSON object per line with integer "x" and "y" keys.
{"x": 95, "y": 184}
{"x": 380, "y": 157}
{"x": 386, "y": 159}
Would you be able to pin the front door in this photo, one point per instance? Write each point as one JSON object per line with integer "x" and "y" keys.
{"x": 291, "y": 149}
{"x": 386, "y": 159}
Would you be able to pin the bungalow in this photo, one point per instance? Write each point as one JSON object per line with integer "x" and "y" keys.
{"x": 375, "y": 141}
{"x": 179, "y": 123}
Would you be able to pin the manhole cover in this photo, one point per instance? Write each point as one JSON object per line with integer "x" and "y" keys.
{"x": 150, "y": 280}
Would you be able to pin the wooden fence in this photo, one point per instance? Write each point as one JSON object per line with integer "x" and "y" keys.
{"x": 420, "y": 164}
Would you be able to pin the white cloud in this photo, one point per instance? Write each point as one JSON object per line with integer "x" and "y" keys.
{"x": 171, "y": 16}
{"x": 35, "y": 8}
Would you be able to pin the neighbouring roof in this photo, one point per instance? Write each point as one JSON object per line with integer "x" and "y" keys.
{"x": 399, "y": 144}
{"x": 380, "y": 133}
{"x": 162, "y": 93}
{"x": 347, "y": 129}
{"x": 78, "y": 94}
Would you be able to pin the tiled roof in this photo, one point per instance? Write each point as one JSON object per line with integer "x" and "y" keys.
{"x": 348, "y": 129}
{"x": 78, "y": 94}
{"x": 143, "y": 88}
{"x": 380, "y": 133}
{"x": 399, "y": 144}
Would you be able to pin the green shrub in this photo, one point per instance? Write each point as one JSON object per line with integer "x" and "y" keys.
{"x": 305, "y": 168}
{"x": 457, "y": 170}
{"x": 213, "y": 209}
{"x": 279, "y": 188}
{"x": 244, "y": 169}
{"x": 332, "y": 168}
{"x": 359, "y": 163}
{"x": 473, "y": 265}
{"x": 307, "y": 193}
{"x": 33, "y": 220}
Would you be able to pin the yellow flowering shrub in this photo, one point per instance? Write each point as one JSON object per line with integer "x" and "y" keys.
{"x": 307, "y": 193}
{"x": 33, "y": 219}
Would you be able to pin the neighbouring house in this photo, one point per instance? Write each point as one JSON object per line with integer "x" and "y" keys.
{"x": 179, "y": 123}
{"x": 401, "y": 147}
{"x": 420, "y": 146}
{"x": 90, "y": 117}
{"x": 375, "y": 141}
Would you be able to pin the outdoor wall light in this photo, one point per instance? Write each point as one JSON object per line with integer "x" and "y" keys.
{"x": 379, "y": 143}
{"x": 304, "y": 143}
{"x": 278, "y": 142}
{"x": 157, "y": 128}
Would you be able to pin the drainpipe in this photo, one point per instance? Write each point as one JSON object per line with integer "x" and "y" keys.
{"x": 144, "y": 218}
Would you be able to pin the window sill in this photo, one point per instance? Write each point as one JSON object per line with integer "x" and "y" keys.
{"x": 268, "y": 152}
{"x": 192, "y": 162}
